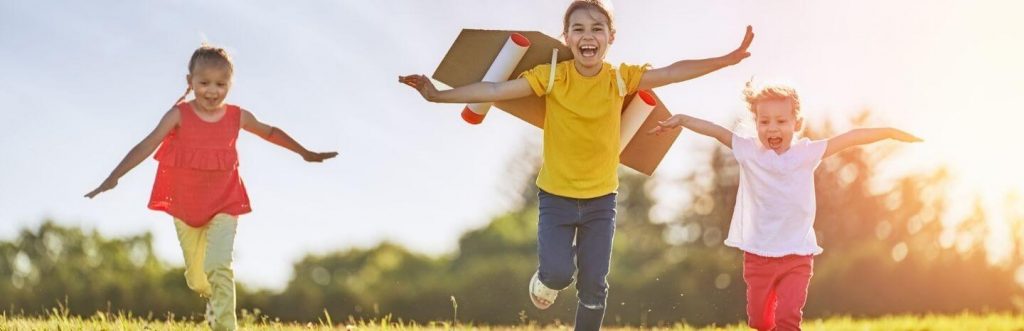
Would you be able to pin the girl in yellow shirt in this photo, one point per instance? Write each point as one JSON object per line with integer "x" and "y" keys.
{"x": 578, "y": 178}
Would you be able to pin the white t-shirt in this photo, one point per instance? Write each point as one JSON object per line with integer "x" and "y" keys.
{"x": 775, "y": 205}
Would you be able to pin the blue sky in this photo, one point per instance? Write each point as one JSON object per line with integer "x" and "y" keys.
{"x": 82, "y": 82}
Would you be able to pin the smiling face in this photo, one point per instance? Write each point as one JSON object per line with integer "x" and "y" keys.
{"x": 588, "y": 34}
{"x": 210, "y": 84}
{"x": 776, "y": 124}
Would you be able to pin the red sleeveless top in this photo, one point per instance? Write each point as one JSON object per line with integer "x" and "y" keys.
{"x": 198, "y": 173}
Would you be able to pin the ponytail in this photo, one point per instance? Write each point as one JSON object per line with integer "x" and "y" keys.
{"x": 183, "y": 96}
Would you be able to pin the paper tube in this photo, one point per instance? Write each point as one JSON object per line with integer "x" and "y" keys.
{"x": 506, "y": 61}
{"x": 634, "y": 116}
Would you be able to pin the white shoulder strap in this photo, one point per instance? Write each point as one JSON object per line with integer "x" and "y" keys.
{"x": 620, "y": 83}
{"x": 551, "y": 77}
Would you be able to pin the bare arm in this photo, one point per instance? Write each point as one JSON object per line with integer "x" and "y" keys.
{"x": 140, "y": 152}
{"x": 280, "y": 138}
{"x": 472, "y": 93}
{"x": 690, "y": 69}
{"x": 857, "y": 137}
{"x": 700, "y": 126}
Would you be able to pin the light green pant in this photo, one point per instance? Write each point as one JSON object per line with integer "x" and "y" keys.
{"x": 208, "y": 271}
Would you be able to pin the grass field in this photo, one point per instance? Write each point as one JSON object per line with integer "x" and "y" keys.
{"x": 103, "y": 321}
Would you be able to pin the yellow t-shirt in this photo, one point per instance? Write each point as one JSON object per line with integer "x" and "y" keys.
{"x": 581, "y": 127}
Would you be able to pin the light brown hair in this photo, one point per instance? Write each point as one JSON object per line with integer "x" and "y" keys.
{"x": 770, "y": 92}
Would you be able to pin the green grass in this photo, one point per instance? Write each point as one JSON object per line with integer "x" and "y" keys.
{"x": 249, "y": 321}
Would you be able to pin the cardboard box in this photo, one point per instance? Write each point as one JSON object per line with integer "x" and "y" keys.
{"x": 472, "y": 53}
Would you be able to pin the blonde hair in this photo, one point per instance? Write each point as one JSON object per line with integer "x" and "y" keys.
{"x": 597, "y": 5}
{"x": 770, "y": 92}
{"x": 207, "y": 55}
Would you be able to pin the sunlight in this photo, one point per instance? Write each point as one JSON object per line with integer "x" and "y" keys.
{"x": 970, "y": 115}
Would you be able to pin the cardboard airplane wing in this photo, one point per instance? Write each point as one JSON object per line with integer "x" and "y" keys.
{"x": 479, "y": 55}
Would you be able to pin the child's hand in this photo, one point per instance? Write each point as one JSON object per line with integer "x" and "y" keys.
{"x": 903, "y": 136}
{"x": 422, "y": 84}
{"x": 671, "y": 123}
{"x": 741, "y": 53}
{"x": 107, "y": 184}
{"x": 318, "y": 157}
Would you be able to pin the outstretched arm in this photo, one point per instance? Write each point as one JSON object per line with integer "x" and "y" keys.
{"x": 865, "y": 136}
{"x": 280, "y": 138}
{"x": 700, "y": 126}
{"x": 472, "y": 93}
{"x": 690, "y": 69}
{"x": 140, "y": 152}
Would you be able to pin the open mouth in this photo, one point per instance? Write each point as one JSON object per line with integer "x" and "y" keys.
{"x": 774, "y": 142}
{"x": 588, "y": 50}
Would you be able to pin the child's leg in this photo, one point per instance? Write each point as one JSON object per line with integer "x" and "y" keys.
{"x": 193, "y": 247}
{"x": 220, "y": 245}
{"x": 759, "y": 274}
{"x": 594, "y": 252}
{"x": 792, "y": 291}
{"x": 555, "y": 232}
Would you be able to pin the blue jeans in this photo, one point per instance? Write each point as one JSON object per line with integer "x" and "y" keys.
{"x": 591, "y": 222}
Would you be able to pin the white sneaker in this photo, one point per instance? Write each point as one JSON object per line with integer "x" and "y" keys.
{"x": 209, "y": 314}
{"x": 541, "y": 296}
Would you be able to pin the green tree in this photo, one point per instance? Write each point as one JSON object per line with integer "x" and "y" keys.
{"x": 85, "y": 273}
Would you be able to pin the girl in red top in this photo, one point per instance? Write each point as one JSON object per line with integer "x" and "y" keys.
{"x": 197, "y": 180}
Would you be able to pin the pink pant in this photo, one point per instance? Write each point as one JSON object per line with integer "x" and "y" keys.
{"x": 776, "y": 290}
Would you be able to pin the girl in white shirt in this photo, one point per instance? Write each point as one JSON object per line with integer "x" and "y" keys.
{"x": 774, "y": 215}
